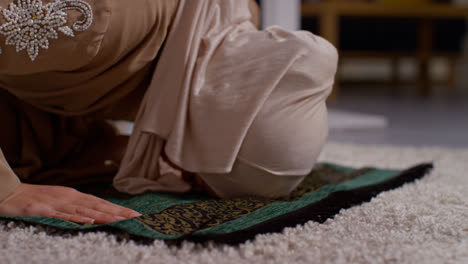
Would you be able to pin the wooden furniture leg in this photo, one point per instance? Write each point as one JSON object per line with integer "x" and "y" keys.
{"x": 452, "y": 74}
{"x": 329, "y": 29}
{"x": 395, "y": 68}
{"x": 425, "y": 54}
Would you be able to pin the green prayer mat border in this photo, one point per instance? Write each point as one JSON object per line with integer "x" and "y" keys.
{"x": 318, "y": 206}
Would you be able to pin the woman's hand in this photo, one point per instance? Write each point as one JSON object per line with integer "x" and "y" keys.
{"x": 63, "y": 203}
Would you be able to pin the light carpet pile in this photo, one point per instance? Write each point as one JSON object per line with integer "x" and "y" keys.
{"x": 422, "y": 222}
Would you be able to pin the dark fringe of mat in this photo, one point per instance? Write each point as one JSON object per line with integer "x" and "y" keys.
{"x": 319, "y": 212}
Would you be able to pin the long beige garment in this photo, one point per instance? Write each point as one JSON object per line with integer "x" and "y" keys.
{"x": 102, "y": 71}
{"x": 216, "y": 74}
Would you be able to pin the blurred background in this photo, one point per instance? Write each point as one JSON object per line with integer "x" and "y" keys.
{"x": 403, "y": 73}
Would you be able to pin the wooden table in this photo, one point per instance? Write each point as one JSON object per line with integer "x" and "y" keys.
{"x": 330, "y": 12}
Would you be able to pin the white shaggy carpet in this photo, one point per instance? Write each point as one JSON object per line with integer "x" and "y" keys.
{"x": 422, "y": 222}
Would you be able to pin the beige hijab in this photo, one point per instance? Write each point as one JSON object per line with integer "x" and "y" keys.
{"x": 213, "y": 77}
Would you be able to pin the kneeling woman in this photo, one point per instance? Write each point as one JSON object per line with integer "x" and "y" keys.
{"x": 216, "y": 103}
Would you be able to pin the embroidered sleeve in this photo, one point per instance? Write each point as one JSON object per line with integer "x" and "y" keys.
{"x": 30, "y": 24}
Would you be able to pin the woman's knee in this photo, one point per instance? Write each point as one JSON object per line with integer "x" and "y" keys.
{"x": 290, "y": 130}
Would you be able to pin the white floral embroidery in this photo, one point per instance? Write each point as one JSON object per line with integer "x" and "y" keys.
{"x": 30, "y": 24}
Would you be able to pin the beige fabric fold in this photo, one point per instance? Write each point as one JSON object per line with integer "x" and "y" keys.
{"x": 216, "y": 74}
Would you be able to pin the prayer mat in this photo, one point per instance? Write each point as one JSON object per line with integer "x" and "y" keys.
{"x": 196, "y": 217}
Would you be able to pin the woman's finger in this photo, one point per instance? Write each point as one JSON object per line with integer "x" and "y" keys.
{"x": 71, "y": 217}
{"x": 99, "y": 217}
{"x": 104, "y": 206}
{"x": 115, "y": 210}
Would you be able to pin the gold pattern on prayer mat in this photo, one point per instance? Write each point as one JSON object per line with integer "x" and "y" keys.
{"x": 188, "y": 218}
